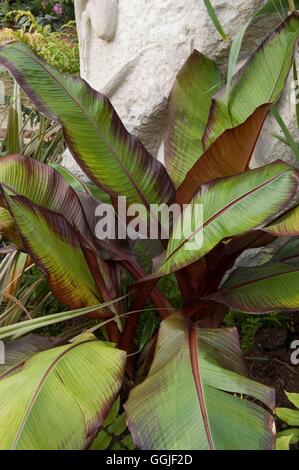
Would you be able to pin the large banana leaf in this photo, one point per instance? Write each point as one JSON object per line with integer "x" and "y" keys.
{"x": 188, "y": 111}
{"x": 193, "y": 397}
{"x": 19, "y": 350}
{"x": 234, "y": 125}
{"x": 109, "y": 155}
{"x": 231, "y": 206}
{"x": 271, "y": 7}
{"x": 55, "y": 247}
{"x": 259, "y": 82}
{"x": 285, "y": 226}
{"x": 43, "y": 186}
{"x": 59, "y": 398}
{"x": 47, "y": 188}
{"x": 262, "y": 289}
{"x": 228, "y": 155}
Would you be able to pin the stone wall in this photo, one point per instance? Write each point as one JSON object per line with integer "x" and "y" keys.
{"x": 131, "y": 50}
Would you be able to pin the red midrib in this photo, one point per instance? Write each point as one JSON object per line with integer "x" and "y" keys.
{"x": 193, "y": 347}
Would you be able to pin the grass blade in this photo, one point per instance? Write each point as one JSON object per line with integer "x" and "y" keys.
{"x": 288, "y": 136}
{"x": 214, "y": 18}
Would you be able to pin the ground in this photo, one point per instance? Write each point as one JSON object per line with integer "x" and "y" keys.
{"x": 268, "y": 361}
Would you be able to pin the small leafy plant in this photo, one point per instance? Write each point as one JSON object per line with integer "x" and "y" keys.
{"x": 289, "y": 436}
{"x": 58, "y": 48}
{"x": 185, "y": 386}
{"x": 50, "y": 13}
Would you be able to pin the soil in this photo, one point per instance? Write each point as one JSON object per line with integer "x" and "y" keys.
{"x": 269, "y": 362}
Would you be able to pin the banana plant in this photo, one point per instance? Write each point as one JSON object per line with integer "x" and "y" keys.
{"x": 187, "y": 387}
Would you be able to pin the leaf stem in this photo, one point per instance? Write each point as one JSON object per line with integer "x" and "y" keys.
{"x": 158, "y": 298}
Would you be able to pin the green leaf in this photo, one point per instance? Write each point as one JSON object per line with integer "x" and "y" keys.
{"x": 231, "y": 206}
{"x": 261, "y": 289}
{"x": 214, "y": 18}
{"x": 8, "y": 228}
{"x": 13, "y": 142}
{"x": 12, "y": 268}
{"x": 289, "y": 253}
{"x": 148, "y": 329}
{"x": 194, "y": 395}
{"x": 234, "y": 125}
{"x": 294, "y": 398}
{"x": 19, "y": 350}
{"x": 291, "y": 417}
{"x": 103, "y": 439}
{"x": 275, "y": 6}
{"x": 107, "y": 153}
{"x": 59, "y": 398}
{"x": 24, "y": 327}
{"x": 229, "y": 155}
{"x": 288, "y": 136}
{"x": 188, "y": 111}
{"x": 233, "y": 57}
{"x": 271, "y": 7}
{"x": 125, "y": 444}
{"x": 283, "y": 442}
{"x": 55, "y": 247}
{"x": 45, "y": 187}
{"x": 78, "y": 185}
{"x": 285, "y": 226}
{"x": 259, "y": 82}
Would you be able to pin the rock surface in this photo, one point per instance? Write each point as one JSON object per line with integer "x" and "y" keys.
{"x": 132, "y": 51}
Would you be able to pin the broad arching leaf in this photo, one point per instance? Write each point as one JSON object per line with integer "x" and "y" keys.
{"x": 234, "y": 125}
{"x": 259, "y": 82}
{"x": 231, "y": 206}
{"x": 228, "y": 155}
{"x": 59, "y": 398}
{"x": 46, "y": 187}
{"x": 271, "y": 7}
{"x": 55, "y": 247}
{"x": 194, "y": 395}
{"x": 19, "y": 350}
{"x": 188, "y": 111}
{"x": 43, "y": 186}
{"x": 109, "y": 155}
{"x": 261, "y": 289}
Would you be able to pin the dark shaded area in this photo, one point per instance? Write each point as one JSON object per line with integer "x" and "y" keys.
{"x": 269, "y": 362}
